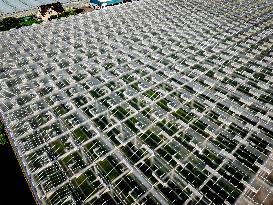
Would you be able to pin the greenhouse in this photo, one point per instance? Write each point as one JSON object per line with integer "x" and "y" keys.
{"x": 148, "y": 102}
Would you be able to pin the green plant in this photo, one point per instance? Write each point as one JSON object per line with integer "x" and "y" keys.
{"x": 12, "y": 22}
{"x": 70, "y": 12}
{"x": 29, "y": 21}
{"x": 3, "y": 138}
{"x": 9, "y": 23}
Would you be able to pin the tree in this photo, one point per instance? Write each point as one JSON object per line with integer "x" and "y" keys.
{"x": 9, "y": 23}
{"x": 3, "y": 139}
